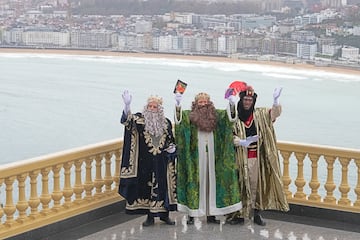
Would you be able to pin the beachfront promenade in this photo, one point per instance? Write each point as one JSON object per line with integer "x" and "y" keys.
{"x": 73, "y": 195}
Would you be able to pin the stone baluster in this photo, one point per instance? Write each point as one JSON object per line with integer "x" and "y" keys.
{"x": 67, "y": 191}
{"x": 330, "y": 185}
{"x": 45, "y": 197}
{"x": 88, "y": 184}
{"x": 314, "y": 182}
{"x": 78, "y": 187}
{"x": 300, "y": 182}
{"x": 286, "y": 176}
{"x": 9, "y": 208}
{"x": 1, "y": 205}
{"x": 98, "y": 182}
{"x": 22, "y": 204}
{"x": 34, "y": 200}
{"x": 108, "y": 180}
{"x": 56, "y": 194}
{"x": 357, "y": 189}
{"x": 344, "y": 187}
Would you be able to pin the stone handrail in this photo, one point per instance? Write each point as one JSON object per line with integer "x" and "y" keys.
{"x": 338, "y": 167}
{"x": 40, "y": 191}
{"x": 54, "y": 187}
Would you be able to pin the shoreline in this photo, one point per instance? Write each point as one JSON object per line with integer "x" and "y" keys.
{"x": 300, "y": 66}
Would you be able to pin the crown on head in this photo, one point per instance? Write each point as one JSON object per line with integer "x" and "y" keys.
{"x": 155, "y": 98}
{"x": 202, "y": 95}
{"x": 249, "y": 91}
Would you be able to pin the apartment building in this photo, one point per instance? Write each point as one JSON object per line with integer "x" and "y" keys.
{"x": 350, "y": 53}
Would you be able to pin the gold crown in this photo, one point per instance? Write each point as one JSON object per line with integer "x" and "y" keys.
{"x": 155, "y": 98}
{"x": 202, "y": 95}
{"x": 249, "y": 91}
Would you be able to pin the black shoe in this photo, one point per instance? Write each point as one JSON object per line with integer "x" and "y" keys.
{"x": 236, "y": 221}
{"x": 190, "y": 221}
{"x": 212, "y": 219}
{"x": 149, "y": 221}
{"x": 259, "y": 220}
{"x": 167, "y": 220}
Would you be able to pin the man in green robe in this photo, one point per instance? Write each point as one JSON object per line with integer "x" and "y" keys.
{"x": 207, "y": 177}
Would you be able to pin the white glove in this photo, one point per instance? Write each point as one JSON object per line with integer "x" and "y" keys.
{"x": 126, "y": 96}
{"x": 232, "y": 100}
{"x": 252, "y": 139}
{"x": 276, "y": 95}
{"x": 178, "y": 98}
{"x": 240, "y": 142}
{"x": 245, "y": 142}
{"x": 171, "y": 148}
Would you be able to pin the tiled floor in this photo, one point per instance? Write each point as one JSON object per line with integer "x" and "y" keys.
{"x": 275, "y": 229}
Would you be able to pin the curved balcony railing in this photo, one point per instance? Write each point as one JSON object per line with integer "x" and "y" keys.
{"x": 331, "y": 177}
{"x": 47, "y": 189}
{"x": 44, "y": 190}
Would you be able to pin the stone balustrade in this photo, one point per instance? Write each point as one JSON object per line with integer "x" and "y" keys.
{"x": 43, "y": 190}
{"x": 51, "y": 188}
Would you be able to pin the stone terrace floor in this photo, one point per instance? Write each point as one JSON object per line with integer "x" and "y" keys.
{"x": 279, "y": 226}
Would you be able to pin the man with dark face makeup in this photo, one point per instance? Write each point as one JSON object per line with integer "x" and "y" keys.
{"x": 207, "y": 182}
{"x": 257, "y": 155}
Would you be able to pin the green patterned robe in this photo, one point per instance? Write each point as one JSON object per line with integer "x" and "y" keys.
{"x": 197, "y": 196}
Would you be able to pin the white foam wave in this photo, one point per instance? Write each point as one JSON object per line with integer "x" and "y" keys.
{"x": 268, "y": 70}
{"x": 284, "y": 76}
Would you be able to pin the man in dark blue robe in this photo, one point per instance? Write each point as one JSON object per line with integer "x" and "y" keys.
{"x": 148, "y": 176}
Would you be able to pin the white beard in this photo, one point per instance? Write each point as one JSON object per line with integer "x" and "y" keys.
{"x": 155, "y": 122}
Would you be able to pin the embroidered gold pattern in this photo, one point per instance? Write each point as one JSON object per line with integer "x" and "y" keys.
{"x": 131, "y": 170}
{"x": 154, "y": 186}
{"x": 155, "y": 150}
{"x": 171, "y": 182}
{"x": 153, "y": 206}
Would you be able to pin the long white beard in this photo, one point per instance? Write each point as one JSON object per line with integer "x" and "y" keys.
{"x": 155, "y": 122}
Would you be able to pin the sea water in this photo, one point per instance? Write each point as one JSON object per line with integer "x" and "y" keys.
{"x": 50, "y": 103}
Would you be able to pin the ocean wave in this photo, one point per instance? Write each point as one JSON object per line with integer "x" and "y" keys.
{"x": 284, "y": 76}
{"x": 282, "y": 72}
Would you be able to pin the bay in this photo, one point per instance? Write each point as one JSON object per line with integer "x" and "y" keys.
{"x": 54, "y": 102}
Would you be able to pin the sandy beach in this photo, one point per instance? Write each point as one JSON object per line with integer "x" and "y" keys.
{"x": 178, "y": 56}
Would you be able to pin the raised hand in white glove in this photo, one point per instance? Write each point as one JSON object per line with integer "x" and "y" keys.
{"x": 171, "y": 148}
{"x": 126, "y": 96}
{"x": 276, "y": 95}
{"x": 178, "y": 98}
{"x": 232, "y": 100}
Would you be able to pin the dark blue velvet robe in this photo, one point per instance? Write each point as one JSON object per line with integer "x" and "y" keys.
{"x": 148, "y": 176}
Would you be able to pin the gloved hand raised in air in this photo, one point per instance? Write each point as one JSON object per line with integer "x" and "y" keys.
{"x": 126, "y": 96}
{"x": 245, "y": 142}
{"x": 178, "y": 98}
{"x": 276, "y": 95}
